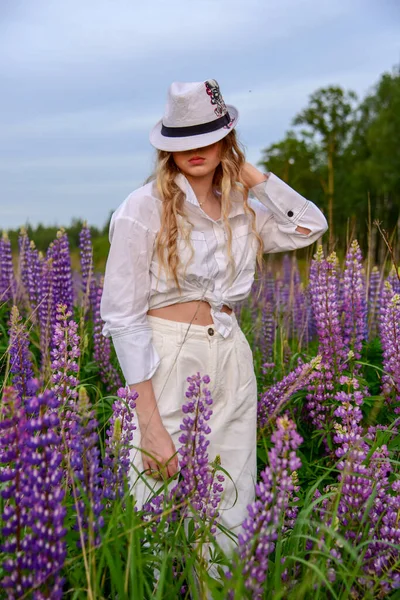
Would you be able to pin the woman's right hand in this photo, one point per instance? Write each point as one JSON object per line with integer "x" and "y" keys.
{"x": 159, "y": 450}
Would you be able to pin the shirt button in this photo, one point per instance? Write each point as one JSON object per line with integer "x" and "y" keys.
{"x": 290, "y": 213}
{"x": 210, "y": 331}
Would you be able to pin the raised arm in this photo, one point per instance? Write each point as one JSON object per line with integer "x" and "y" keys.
{"x": 286, "y": 220}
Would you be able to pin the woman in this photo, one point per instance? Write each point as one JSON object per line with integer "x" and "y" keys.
{"x": 183, "y": 253}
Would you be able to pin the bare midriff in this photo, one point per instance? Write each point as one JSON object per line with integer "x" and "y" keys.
{"x": 195, "y": 311}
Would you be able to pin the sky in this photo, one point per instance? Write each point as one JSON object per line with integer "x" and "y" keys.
{"x": 83, "y": 82}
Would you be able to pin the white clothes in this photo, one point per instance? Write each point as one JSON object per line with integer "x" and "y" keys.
{"x": 186, "y": 349}
{"x": 134, "y": 283}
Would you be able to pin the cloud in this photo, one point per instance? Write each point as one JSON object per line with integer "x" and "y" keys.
{"x": 92, "y": 122}
{"x": 84, "y": 82}
{"x": 79, "y": 33}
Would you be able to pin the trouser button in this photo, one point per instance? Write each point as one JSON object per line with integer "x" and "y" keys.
{"x": 210, "y": 331}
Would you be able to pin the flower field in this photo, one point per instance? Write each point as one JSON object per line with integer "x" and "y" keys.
{"x": 326, "y": 519}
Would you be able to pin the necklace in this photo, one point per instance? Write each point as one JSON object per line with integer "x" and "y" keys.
{"x": 204, "y": 201}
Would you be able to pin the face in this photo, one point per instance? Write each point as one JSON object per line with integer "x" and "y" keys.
{"x": 208, "y": 160}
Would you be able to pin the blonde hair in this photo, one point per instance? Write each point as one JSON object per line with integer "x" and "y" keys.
{"x": 173, "y": 217}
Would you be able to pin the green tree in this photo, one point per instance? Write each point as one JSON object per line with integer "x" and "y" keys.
{"x": 373, "y": 157}
{"x": 329, "y": 119}
{"x": 297, "y": 163}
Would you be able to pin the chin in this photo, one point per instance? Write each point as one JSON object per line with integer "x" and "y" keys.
{"x": 199, "y": 170}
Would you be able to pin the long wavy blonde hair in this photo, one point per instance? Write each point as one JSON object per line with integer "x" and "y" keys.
{"x": 174, "y": 220}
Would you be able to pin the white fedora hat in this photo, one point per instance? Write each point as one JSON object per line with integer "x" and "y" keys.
{"x": 195, "y": 116}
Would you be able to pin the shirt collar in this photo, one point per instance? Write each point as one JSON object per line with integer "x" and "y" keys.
{"x": 237, "y": 207}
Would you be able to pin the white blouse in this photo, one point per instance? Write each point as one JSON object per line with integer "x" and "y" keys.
{"x": 133, "y": 284}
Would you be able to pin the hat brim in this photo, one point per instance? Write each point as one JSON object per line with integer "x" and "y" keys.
{"x": 177, "y": 144}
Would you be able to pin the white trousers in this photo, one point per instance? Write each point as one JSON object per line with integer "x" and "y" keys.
{"x": 185, "y": 350}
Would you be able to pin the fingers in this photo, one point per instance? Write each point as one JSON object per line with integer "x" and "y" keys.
{"x": 173, "y": 466}
{"x": 160, "y": 470}
{"x": 151, "y": 468}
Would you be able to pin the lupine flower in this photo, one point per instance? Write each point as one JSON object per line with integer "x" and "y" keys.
{"x": 20, "y": 360}
{"x": 116, "y": 462}
{"x": 394, "y": 279}
{"x": 88, "y": 283}
{"x": 325, "y": 298}
{"x": 85, "y": 463}
{"x": 275, "y": 398}
{"x": 198, "y": 482}
{"x": 374, "y": 293}
{"x": 102, "y": 349}
{"x": 301, "y": 316}
{"x": 23, "y": 247}
{"x": 268, "y": 326}
{"x": 267, "y": 515}
{"x": 7, "y": 278}
{"x": 390, "y": 339}
{"x": 364, "y": 487}
{"x": 44, "y": 480}
{"x": 17, "y": 564}
{"x": 45, "y": 309}
{"x": 65, "y": 352}
{"x": 79, "y": 427}
{"x": 199, "y": 488}
{"x": 33, "y": 516}
{"x": 354, "y": 302}
{"x": 62, "y": 275}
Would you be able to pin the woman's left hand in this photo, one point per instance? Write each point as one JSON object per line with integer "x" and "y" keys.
{"x": 251, "y": 176}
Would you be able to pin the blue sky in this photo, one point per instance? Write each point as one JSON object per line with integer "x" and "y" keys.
{"x": 84, "y": 81}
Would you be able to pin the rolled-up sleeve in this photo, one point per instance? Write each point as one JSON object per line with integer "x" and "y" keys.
{"x": 124, "y": 302}
{"x": 284, "y": 209}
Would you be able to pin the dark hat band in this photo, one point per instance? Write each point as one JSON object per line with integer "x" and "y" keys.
{"x": 196, "y": 129}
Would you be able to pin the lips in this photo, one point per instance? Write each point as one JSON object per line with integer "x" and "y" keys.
{"x": 196, "y": 159}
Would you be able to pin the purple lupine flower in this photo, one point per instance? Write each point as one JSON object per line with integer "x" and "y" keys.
{"x": 199, "y": 489}
{"x": 300, "y": 314}
{"x": 87, "y": 474}
{"x": 34, "y": 268}
{"x": 23, "y": 247}
{"x": 44, "y": 479}
{"x": 88, "y": 283}
{"x": 311, "y": 325}
{"x": 20, "y": 360}
{"x": 7, "y": 278}
{"x": 364, "y": 489}
{"x": 374, "y": 293}
{"x": 394, "y": 279}
{"x": 102, "y": 349}
{"x": 45, "y": 309}
{"x": 199, "y": 483}
{"x": 382, "y": 555}
{"x": 268, "y": 326}
{"x": 390, "y": 339}
{"x": 324, "y": 293}
{"x": 266, "y": 337}
{"x": 354, "y": 304}
{"x": 79, "y": 428}
{"x": 62, "y": 273}
{"x": 120, "y": 430}
{"x": 65, "y": 352}
{"x": 33, "y": 516}
{"x": 275, "y": 398}
{"x": 267, "y": 514}
{"x": 17, "y": 565}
